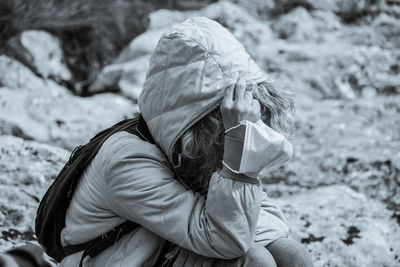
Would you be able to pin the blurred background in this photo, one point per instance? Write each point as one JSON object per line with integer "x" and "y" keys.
{"x": 69, "y": 68}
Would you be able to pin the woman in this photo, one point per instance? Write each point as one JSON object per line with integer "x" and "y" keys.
{"x": 197, "y": 186}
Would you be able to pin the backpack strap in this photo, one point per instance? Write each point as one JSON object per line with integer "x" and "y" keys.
{"x": 143, "y": 130}
{"x": 96, "y": 246}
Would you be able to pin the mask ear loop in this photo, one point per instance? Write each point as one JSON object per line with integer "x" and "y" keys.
{"x": 233, "y": 127}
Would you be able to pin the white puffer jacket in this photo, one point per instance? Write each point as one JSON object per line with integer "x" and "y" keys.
{"x": 131, "y": 179}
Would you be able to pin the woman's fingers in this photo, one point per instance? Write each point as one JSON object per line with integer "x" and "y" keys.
{"x": 248, "y": 96}
{"x": 256, "y": 105}
{"x": 230, "y": 89}
{"x": 238, "y": 103}
{"x": 228, "y": 94}
{"x": 240, "y": 89}
{"x": 256, "y": 109}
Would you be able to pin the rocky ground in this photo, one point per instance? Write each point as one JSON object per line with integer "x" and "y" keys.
{"x": 341, "y": 191}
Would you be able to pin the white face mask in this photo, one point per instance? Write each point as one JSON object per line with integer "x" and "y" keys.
{"x": 263, "y": 149}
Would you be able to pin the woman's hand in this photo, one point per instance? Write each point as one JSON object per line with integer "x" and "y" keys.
{"x": 238, "y": 104}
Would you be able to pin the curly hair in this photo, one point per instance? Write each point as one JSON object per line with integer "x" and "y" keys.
{"x": 199, "y": 151}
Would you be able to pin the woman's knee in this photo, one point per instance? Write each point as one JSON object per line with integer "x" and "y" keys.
{"x": 258, "y": 256}
{"x": 288, "y": 252}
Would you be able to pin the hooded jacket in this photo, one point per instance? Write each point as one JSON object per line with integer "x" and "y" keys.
{"x": 131, "y": 179}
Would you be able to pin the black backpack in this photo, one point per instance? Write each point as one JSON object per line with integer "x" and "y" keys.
{"x": 50, "y": 219}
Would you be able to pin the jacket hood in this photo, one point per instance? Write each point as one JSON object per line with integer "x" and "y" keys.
{"x": 188, "y": 71}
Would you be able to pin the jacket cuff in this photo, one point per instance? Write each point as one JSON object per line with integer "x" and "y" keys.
{"x": 239, "y": 177}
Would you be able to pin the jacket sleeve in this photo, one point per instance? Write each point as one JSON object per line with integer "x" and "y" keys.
{"x": 143, "y": 189}
{"x": 271, "y": 223}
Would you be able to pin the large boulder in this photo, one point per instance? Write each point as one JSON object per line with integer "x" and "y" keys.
{"x": 133, "y": 77}
{"x": 301, "y": 25}
{"x": 127, "y": 77}
{"x": 246, "y": 28}
{"x": 26, "y": 170}
{"x": 14, "y": 74}
{"x": 127, "y": 73}
{"x": 165, "y": 18}
{"x": 296, "y": 25}
{"x": 142, "y": 45}
{"x": 66, "y": 120}
{"x": 341, "y": 227}
{"x": 47, "y": 54}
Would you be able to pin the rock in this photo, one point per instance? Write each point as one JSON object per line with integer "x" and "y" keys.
{"x": 257, "y": 8}
{"x": 47, "y": 54}
{"x": 341, "y": 227}
{"x": 344, "y": 87}
{"x": 369, "y": 92}
{"x": 67, "y": 120}
{"x": 389, "y": 28}
{"x": 14, "y": 48}
{"x": 326, "y": 21}
{"x": 184, "y": 4}
{"x": 164, "y": 18}
{"x": 267, "y": 9}
{"x": 9, "y": 128}
{"x": 296, "y": 25}
{"x": 128, "y": 77}
{"x": 26, "y": 170}
{"x": 249, "y": 31}
{"x": 133, "y": 77}
{"x": 13, "y": 74}
{"x": 127, "y": 73}
{"x": 142, "y": 45}
{"x": 300, "y": 25}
